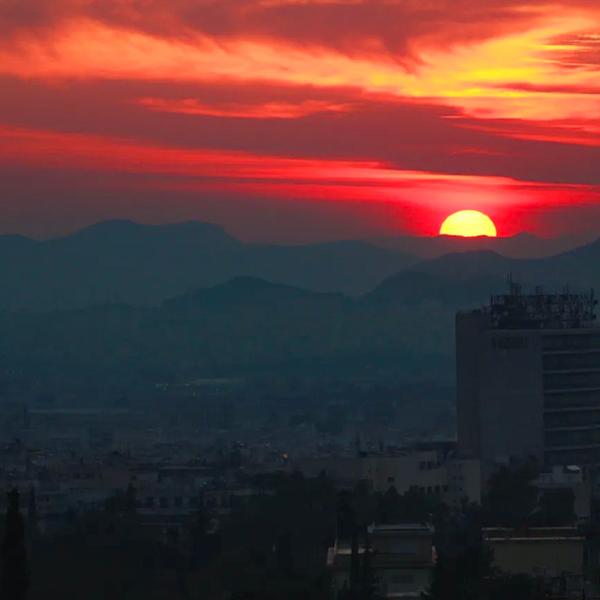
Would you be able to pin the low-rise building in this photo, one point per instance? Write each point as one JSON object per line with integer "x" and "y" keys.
{"x": 402, "y": 559}
{"x": 572, "y": 478}
{"x": 428, "y": 470}
{"x": 547, "y": 552}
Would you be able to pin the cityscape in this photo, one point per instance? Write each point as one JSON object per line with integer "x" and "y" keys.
{"x": 299, "y": 300}
{"x": 318, "y": 486}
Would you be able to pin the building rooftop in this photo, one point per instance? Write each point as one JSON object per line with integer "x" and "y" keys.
{"x": 400, "y": 527}
{"x": 541, "y": 310}
{"x": 533, "y": 534}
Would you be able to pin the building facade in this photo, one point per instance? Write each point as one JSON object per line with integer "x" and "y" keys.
{"x": 433, "y": 472}
{"x": 528, "y": 379}
{"x": 403, "y": 559}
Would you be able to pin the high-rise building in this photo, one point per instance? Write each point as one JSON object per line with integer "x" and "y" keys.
{"x": 528, "y": 379}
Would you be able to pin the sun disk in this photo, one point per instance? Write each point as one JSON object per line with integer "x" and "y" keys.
{"x": 468, "y": 223}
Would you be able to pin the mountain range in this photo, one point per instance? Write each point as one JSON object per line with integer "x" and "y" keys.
{"x": 121, "y": 261}
{"x": 522, "y": 245}
{"x": 185, "y": 301}
{"x": 143, "y": 265}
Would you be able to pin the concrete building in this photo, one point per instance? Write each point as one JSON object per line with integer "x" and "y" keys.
{"x": 528, "y": 379}
{"x": 568, "y": 478}
{"x": 402, "y": 561}
{"x": 430, "y": 471}
{"x": 554, "y": 554}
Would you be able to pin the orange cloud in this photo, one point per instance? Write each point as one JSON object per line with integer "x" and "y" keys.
{"x": 475, "y": 76}
{"x": 508, "y": 87}
{"x": 577, "y": 132}
{"x": 264, "y": 110}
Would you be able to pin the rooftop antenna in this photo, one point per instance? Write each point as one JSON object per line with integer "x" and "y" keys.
{"x": 513, "y": 286}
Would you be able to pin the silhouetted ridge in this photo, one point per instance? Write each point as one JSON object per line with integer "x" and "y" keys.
{"x": 125, "y": 262}
{"x": 522, "y": 245}
{"x": 16, "y": 242}
{"x": 240, "y": 291}
{"x": 120, "y": 230}
{"x": 414, "y": 288}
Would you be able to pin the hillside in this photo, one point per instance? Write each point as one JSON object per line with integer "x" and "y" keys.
{"x": 121, "y": 261}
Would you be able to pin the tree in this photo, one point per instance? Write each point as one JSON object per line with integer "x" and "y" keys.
{"x": 389, "y": 507}
{"x": 464, "y": 563}
{"x": 461, "y": 575}
{"x": 556, "y": 508}
{"x": 368, "y": 580}
{"x": 14, "y": 578}
{"x": 512, "y": 497}
{"x": 515, "y": 587}
{"x": 32, "y": 515}
{"x": 284, "y": 557}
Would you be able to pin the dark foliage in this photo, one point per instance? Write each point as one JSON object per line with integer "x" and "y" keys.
{"x": 14, "y": 578}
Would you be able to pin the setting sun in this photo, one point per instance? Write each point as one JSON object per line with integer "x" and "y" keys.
{"x": 468, "y": 223}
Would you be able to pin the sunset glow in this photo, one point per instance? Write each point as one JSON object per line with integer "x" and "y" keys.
{"x": 302, "y": 104}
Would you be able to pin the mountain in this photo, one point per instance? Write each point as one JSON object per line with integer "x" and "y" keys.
{"x": 242, "y": 327}
{"x": 403, "y": 328}
{"x": 242, "y": 292}
{"x": 413, "y": 288}
{"x": 578, "y": 268}
{"x": 121, "y": 261}
{"x": 351, "y": 267}
{"x": 523, "y": 245}
{"x": 131, "y": 263}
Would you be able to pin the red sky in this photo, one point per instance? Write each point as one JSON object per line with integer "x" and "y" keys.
{"x": 300, "y": 120}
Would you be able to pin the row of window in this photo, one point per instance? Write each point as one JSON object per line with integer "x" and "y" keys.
{"x": 165, "y": 502}
{"x": 570, "y": 398}
{"x": 571, "y": 342}
{"x": 583, "y": 418}
{"x": 571, "y": 380}
{"x": 430, "y": 489}
{"x": 559, "y": 439}
{"x": 429, "y": 465}
{"x": 573, "y": 457}
{"x": 563, "y": 362}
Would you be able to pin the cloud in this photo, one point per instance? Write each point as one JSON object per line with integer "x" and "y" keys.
{"x": 203, "y": 93}
{"x": 206, "y": 170}
{"x": 477, "y": 76}
{"x": 241, "y": 110}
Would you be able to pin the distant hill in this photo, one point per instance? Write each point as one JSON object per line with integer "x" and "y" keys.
{"x": 242, "y": 327}
{"x": 414, "y": 287}
{"x": 163, "y": 321}
{"x": 523, "y": 245}
{"x": 143, "y": 265}
{"x": 403, "y": 328}
{"x": 578, "y": 268}
{"x": 121, "y": 261}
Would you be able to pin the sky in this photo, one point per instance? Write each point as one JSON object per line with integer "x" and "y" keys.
{"x": 300, "y": 120}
